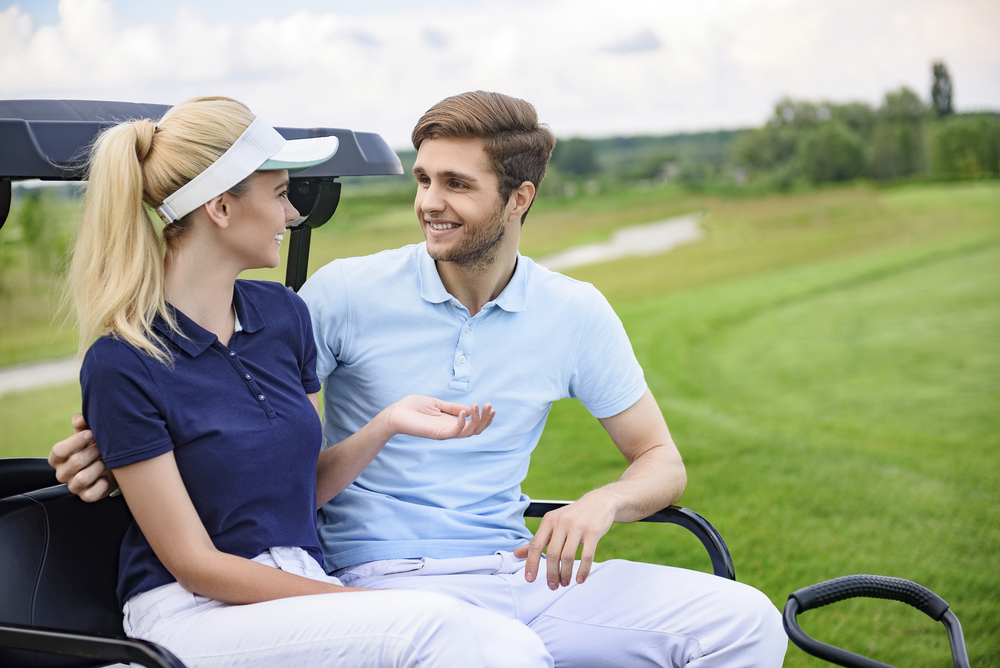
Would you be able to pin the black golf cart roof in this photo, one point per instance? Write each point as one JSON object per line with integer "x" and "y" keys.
{"x": 49, "y": 139}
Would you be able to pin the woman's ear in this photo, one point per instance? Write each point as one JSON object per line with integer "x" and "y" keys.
{"x": 217, "y": 209}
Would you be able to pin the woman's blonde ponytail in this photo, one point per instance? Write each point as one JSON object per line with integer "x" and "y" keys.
{"x": 116, "y": 277}
{"x": 116, "y": 274}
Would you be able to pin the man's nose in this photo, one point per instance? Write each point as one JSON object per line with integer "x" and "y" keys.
{"x": 432, "y": 199}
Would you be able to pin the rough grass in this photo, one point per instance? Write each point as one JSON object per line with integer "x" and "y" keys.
{"x": 828, "y": 363}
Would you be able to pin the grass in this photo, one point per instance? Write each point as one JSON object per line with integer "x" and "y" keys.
{"x": 837, "y": 414}
{"x": 828, "y": 363}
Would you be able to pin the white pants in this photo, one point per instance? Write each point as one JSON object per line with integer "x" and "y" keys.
{"x": 625, "y": 614}
{"x": 378, "y": 629}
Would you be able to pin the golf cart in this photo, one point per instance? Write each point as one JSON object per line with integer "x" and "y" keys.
{"x": 59, "y": 555}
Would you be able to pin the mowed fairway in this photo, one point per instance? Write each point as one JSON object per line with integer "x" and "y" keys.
{"x": 829, "y": 365}
{"x": 837, "y": 416}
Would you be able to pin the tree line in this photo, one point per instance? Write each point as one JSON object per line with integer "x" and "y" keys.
{"x": 807, "y": 143}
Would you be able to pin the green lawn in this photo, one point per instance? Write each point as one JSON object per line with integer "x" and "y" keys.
{"x": 828, "y": 363}
{"x": 837, "y": 416}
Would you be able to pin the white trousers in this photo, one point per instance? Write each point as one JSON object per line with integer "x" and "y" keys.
{"x": 378, "y": 629}
{"x": 625, "y": 614}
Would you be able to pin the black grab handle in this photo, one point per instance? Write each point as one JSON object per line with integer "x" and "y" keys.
{"x": 868, "y": 586}
{"x": 872, "y": 586}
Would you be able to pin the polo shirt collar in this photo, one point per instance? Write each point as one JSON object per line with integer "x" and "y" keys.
{"x": 195, "y": 339}
{"x": 513, "y": 298}
{"x": 251, "y": 319}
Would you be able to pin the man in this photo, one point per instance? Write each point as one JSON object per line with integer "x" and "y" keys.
{"x": 465, "y": 318}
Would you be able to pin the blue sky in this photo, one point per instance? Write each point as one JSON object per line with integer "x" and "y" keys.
{"x": 591, "y": 67}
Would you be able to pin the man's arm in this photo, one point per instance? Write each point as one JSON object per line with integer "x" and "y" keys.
{"x": 78, "y": 463}
{"x": 655, "y": 478}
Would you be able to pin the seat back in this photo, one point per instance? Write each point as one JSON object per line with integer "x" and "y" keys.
{"x": 59, "y": 568}
{"x": 24, "y": 474}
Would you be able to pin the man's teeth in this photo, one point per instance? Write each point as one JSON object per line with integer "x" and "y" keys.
{"x": 442, "y": 226}
{"x": 279, "y": 236}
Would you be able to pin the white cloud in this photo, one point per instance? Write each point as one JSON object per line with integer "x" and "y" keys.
{"x": 591, "y": 67}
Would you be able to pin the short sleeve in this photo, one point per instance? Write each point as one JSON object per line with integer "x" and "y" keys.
{"x": 325, "y": 294}
{"x": 310, "y": 382}
{"x": 122, "y": 404}
{"x": 606, "y": 376}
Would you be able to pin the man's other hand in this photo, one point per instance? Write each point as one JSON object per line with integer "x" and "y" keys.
{"x": 562, "y": 533}
{"x": 78, "y": 463}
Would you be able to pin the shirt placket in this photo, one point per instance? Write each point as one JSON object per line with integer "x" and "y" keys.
{"x": 255, "y": 390}
{"x": 463, "y": 358}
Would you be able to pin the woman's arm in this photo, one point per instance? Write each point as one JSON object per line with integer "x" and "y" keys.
{"x": 341, "y": 464}
{"x": 161, "y": 506}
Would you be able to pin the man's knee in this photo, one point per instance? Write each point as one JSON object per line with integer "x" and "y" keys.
{"x": 729, "y": 620}
{"x": 748, "y": 629}
{"x": 502, "y": 642}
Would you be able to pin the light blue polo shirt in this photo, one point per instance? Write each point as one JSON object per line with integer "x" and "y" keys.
{"x": 386, "y": 327}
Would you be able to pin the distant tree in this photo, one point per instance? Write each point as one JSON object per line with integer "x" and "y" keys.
{"x": 8, "y": 260}
{"x": 858, "y": 116}
{"x": 903, "y": 105}
{"x": 765, "y": 148}
{"x": 832, "y": 152}
{"x": 798, "y": 114}
{"x": 965, "y": 147}
{"x": 45, "y": 231}
{"x": 575, "y": 156}
{"x": 655, "y": 165}
{"x": 898, "y": 144}
{"x": 941, "y": 90}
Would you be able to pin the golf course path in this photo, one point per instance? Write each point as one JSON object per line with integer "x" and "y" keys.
{"x": 39, "y": 374}
{"x": 647, "y": 239}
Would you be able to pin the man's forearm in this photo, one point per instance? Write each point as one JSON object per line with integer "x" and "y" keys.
{"x": 655, "y": 477}
{"x": 655, "y": 480}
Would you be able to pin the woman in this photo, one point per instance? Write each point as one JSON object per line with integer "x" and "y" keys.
{"x": 201, "y": 392}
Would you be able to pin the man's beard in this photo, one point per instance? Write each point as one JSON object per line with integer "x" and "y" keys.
{"x": 479, "y": 247}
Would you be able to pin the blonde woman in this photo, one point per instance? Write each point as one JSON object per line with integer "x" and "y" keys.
{"x": 201, "y": 392}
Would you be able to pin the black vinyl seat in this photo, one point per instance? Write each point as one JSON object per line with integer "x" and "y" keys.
{"x": 24, "y": 474}
{"x": 58, "y": 574}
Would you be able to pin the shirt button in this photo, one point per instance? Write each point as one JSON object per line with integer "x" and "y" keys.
{"x": 461, "y": 360}
{"x": 468, "y": 329}
{"x": 260, "y": 397}
{"x": 247, "y": 376}
{"x": 232, "y": 354}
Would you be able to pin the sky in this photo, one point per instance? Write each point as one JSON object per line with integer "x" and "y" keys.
{"x": 592, "y": 68}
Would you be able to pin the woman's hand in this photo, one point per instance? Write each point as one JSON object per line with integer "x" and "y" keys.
{"x": 427, "y": 417}
{"x": 414, "y": 415}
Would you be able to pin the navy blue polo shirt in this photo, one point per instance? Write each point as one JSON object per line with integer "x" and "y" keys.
{"x": 243, "y": 432}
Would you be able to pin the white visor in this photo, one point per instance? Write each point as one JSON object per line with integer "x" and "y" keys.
{"x": 259, "y": 148}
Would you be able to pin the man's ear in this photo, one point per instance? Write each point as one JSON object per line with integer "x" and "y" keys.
{"x": 522, "y": 198}
{"x": 217, "y": 209}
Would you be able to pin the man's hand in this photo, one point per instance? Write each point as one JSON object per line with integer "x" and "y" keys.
{"x": 562, "y": 533}
{"x": 78, "y": 463}
{"x": 654, "y": 479}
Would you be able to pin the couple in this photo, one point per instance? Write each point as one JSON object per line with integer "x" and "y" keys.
{"x": 202, "y": 395}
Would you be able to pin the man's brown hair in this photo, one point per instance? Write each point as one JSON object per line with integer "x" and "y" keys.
{"x": 517, "y": 145}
